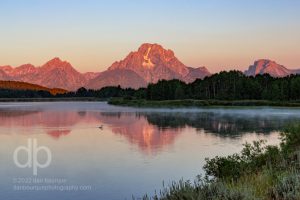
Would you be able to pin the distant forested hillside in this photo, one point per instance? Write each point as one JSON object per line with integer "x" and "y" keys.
{"x": 22, "y": 86}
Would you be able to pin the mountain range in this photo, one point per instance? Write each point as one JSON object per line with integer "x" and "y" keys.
{"x": 265, "y": 66}
{"x": 53, "y": 74}
{"x": 150, "y": 63}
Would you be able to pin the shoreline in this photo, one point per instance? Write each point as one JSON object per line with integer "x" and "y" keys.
{"x": 55, "y": 99}
{"x": 142, "y": 103}
{"x": 200, "y": 103}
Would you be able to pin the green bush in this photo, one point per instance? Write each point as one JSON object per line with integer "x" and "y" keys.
{"x": 224, "y": 167}
{"x": 288, "y": 188}
{"x": 201, "y": 190}
{"x": 290, "y": 138}
{"x": 252, "y": 158}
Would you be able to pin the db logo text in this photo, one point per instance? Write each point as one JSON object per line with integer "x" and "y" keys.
{"x": 32, "y": 150}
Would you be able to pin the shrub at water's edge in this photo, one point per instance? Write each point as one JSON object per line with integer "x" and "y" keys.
{"x": 259, "y": 171}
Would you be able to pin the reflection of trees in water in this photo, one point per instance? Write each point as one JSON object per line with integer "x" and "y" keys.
{"x": 14, "y": 113}
{"x": 81, "y": 113}
{"x": 112, "y": 114}
{"x": 118, "y": 115}
{"x": 222, "y": 124}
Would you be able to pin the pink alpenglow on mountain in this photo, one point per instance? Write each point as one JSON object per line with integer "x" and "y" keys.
{"x": 61, "y": 73}
{"x": 149, "y": 64}
{"x": 264, "y": 66}
{"x": 123, "y": 77}
{"x": 152, "y": 62}
{"x": 196, "y": 73}
{"x": 91, "y": 75}
{"x": 53, "y": 74}
{"x": 3, "y": 75}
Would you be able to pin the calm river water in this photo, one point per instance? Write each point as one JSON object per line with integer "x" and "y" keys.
{"x": 91, "y": 150}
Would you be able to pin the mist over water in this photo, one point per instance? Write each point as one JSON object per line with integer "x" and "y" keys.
{"x": 121, "y": 151}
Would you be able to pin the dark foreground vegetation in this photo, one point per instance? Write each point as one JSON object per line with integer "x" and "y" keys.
{"x": 259, "y": 171}
{"x": 224, "y": 88}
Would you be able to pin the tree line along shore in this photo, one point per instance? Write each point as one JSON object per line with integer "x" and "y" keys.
{"x": 231, "y": 88}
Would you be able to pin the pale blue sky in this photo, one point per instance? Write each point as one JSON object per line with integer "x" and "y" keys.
{"x": 220, "y": 34}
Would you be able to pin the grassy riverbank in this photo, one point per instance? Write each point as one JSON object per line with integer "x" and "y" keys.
{"x": 199, "y": 103}
{"x": 259, "y": 172}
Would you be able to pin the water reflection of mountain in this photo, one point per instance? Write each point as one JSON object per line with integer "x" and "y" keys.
{"x": 150, "y": 131}
{"x": 137, "y": 130}
{"x": 54, "y": 123}
{"x": 221, "y": 124}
